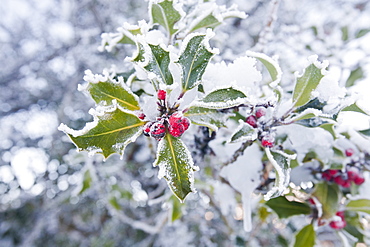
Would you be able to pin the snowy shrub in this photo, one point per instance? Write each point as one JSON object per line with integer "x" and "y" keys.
{"x": 269, "y": 144}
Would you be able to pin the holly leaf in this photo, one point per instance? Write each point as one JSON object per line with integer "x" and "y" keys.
{"x": 164, "y": 14}
{"x": 329, "y": 197}
{"x": 175, "y": 211}
{"x": 284, "y": 208}
{"x": 125, "y": 35}
{"x": 243, "y": 133}
{"x": 175, "y": 165}
{"x": 271, "y": 65}
{"x": 365, "y": 132}
{"x": 194, "y": 60}
{"x": 355, "y": 108}
{"x": 110, "y": 132}
{"x": 305, "y": 237}
{"x": 305, "y": 84}
{"x": 214, "y": 16}
{"x": 355, "y": 75}
{"x": 210, "y": 118}
{"x": 281, "y": 163}
{"x": 109, "y": 92}
{"x": 361, "y": 205}
{"x": 223, "y": 99}
{"x": 158, "y": 64}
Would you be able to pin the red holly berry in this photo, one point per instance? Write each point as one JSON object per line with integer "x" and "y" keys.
{"x": 141, "y": 115}
{"x": 157, "y": 130}
{"x": 146, "y": 129}
{"x": 352, "y": 173}
{"x": 178, "y": 124}
{"x": 267, "y": 141}
{"x": 337, "y": 224}
{"x": 260, "y": 112}
{"x": 161, "y": 94}
{"x": 349, "y": 152}
{"x": 252, "y": 121}
{"x": 340, "y": 180}
{"x": 359, "y": 179}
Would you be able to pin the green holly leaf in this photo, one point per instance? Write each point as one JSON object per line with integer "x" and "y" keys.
{"x": 329, "y": 195}
{"x": 176, "y": 209}
{"x": 223, "y": 99}
{"x": 112, "y": 91}
{"x": 139, "y": 57}
{"x": 281, "y": 163}
{"x": 314, "y": 103}
{"x": 86, "y": 181}
{"x": 305, "y": 84}
{"x": 210, "y": 118}
{"x": 355, "y": 108}
{"x": 361, "y": 205}
{"x": 164, "y": 14}
{"x": 110, "y": 132}
{"x": 158, "y": 64}
{"x": 194, "y": 59}
{"x": 284, "y": 208}
{"x": 243, "y": 133}
{"x": 365, "y": 132}
{"x": 355, "y": 75}
{"x": 215, "y": 17}
{"x": 175, "y": 165}
{"x": 305, "y": 237}
{"x": 271, "y": 65}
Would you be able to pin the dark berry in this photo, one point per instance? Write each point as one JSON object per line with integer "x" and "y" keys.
{"x": 161, "y": 94}
{"x": 349, "y": 152}
{"x": 260, "y": 112}
{"x": 352, "y": 173}
{"x": 340, "y": 180}
{"x": 252, "y": 121}
{"x": 158, "y": 130}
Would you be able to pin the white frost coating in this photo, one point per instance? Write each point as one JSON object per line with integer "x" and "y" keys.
{"x": 313, "y": 111}
{"x": 221, "y": 105}
{"x": 272, "y": 61}
{"x": 150, "y": 107}
{"x": 283, "y": 179}
{"x": 155, "y": 37}
{"x": 241, "y": 73}
{"x": 243, "y": 175}
{"x": 320, "y": 65}
{"x": 95, "y": 78}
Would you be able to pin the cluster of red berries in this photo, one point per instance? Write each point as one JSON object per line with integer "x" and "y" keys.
{"x": 176, "y": 124}
{"x": 339, "y": 223}
{"x": 253, "y": 120}
{"x": 344, "y": 179}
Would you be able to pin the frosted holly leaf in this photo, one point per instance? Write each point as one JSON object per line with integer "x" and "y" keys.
{"x": 194, "y": 58}
{"x": 211, "y": 15}
{"x": 308, "y": 82}
{"x": 158, "y": 63}
{"x": 329, "y": 195}
{"x": 110, "y": 132}
{"x": 314, "y": 103}
{"x": 281, "y": 163}
{"x": 210, "y": 118}
{"x": 140, "y": 54}
{"x": 110, "y": 92}
{"x": 223, "y": 98}
{"x": 244, "y": 132}
{"x": 124, "y": 35}
{"x": 355, "y": 75}
{"x": 165, "y": 14}
{"x": 271, "y": 65}
{"x": 175, "y": 165}
{"x": 365, "y": 132}
{"x": 355, "y": 108}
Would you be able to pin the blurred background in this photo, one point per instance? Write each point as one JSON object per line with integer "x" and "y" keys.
{"x": 45, "y": 47}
